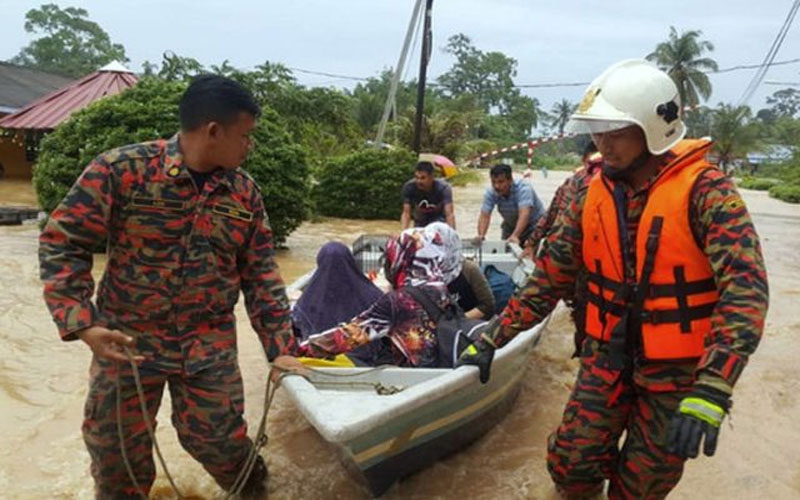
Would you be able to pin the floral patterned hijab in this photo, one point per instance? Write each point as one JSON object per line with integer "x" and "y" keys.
{"x": 423, "y": 255}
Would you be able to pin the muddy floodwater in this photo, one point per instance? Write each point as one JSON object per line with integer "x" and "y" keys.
{"x": 43, "y": 383}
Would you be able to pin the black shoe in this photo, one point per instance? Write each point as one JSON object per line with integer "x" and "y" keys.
{"x": 256, "y": 486}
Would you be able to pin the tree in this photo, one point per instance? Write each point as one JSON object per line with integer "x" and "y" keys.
{"x": 370, "y": 98}
{"x": 523, "y": 115}
{"x": 443, "y": 132}
{"x": 71, "y": 44}
{"x": 150, "y": 111}
{"x": 320, "y": 119}
{"x": 785, "y": 102}
{"x": 699, "y": 122}
{"x": 175, "y": 67}
{"x": 489, "y": 78}
{"x": 680, "y": 57}
{"x": 734, "y": 134}
{"x": 561, "y": 113}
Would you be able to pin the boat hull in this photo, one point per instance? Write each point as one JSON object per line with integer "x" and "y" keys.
{"x": 380, "y": 476}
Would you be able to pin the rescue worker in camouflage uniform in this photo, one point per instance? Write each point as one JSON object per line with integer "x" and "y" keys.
{"x": 591, "y": 162}
{"x": 676, "y": 289}
{"x": 185, "y": 230}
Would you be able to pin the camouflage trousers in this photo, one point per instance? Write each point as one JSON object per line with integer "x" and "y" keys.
{"x": 640, "y": 402}
{"x": 207, "y": 413}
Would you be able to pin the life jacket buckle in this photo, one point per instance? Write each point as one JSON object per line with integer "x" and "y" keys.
{"x": 651, "y": 317}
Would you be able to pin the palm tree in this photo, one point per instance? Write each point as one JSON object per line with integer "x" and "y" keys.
{"x": 680, "y": 57}
{"x": 735, "y": 134}
{"x": 561, "y": 113}
{"x": 699, "y": 122}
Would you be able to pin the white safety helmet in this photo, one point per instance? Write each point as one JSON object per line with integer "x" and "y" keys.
{"x": 632, "y": 92}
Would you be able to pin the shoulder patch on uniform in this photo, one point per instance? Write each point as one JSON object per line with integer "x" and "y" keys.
{"x": 231, "y": 211}
{"x": 141, "y": 201}
{"x": 132, "y": 151}
{"x": 733, "y": 204}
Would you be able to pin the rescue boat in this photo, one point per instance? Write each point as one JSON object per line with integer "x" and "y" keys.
{"x": 389, "y": 422}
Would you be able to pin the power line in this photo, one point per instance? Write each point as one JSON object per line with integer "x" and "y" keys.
{"x": 724, "y": 70}
{"x": 787, "y": 84}
{"x": 548, "y": 85}
{"x": 557, "y": 84}
{"x": 754, "y": 66}
{"x": 331, "y": 75}
{"x": 771, "y": 53}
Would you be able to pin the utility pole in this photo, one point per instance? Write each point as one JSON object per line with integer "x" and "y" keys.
{"x": 423, "y": 67}
{"x": 398, "y": 71}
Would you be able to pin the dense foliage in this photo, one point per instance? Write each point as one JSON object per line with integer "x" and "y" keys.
{"x": 364, "y": 185}
{"x": 280, "y": 168}
{"x": 757, "y": 183}
{"x": 146, "y": 112}
{"x": 787, "y": 192}
{"x": 150, "y": 111}
{"x": 70, "y": 43}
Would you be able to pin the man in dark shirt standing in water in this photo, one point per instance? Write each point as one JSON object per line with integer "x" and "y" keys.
{"x": 431, "y": 200}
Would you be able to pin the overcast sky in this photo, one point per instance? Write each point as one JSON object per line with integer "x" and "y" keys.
{"x": 566, "y": 41}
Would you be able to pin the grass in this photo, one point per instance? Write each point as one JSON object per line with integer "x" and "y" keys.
{"x": 789, "y": 193}
{"x": 758, "y": 183}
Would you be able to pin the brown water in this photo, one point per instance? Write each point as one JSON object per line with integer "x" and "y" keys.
{"x": 43, "y": 385}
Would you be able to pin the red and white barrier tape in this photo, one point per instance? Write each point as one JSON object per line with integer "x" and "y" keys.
{"x": 530, "y": 143}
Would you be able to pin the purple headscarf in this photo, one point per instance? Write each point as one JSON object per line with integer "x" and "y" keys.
{"x": 337, "y": 292}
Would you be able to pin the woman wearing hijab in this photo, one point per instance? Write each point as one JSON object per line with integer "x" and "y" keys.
{"x": 337, "y": 292}
{"x": 465, "y": 282}
{"x": 411, "y": 259}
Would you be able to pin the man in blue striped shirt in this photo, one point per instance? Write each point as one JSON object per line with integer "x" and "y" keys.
{"x": 517, "y": 203}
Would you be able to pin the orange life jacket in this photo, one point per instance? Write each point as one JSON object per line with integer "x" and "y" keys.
{"x": 675, "y": 291}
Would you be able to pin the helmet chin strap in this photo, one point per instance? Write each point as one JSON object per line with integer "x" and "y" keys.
{"x": 623, "y": 174}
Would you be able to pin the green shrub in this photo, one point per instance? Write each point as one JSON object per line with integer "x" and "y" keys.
{"x": 787, "y": 192}
{"x": 150, "y": 111}
{"x": 757, "y": 183}
{"x": 465, "y": 176}
{"x": 146, "y": 112}
{"x": 280, "y": 168}
{"x": 790, "y": 173}
{"x": 365, "y": 184}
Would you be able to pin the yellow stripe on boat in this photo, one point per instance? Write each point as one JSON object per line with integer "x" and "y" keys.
{"x": 430, "y": 427}
{"x": 340, "y": 361}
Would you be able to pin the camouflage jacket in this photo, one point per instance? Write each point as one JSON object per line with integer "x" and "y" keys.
{"x": 561, "y": 199}
{"x": 719, "y": 219}
{"x": 177, "y": 257}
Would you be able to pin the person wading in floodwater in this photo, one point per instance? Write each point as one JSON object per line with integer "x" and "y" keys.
{"x": 186, "y": 230}
{"x": 676, "y": 294}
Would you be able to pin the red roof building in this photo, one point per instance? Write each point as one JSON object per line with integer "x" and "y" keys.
{"x": 49, "y": 111}
{"x": 21, "y": 131}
